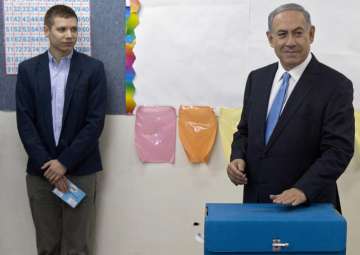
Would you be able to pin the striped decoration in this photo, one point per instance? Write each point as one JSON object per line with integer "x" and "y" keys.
{"x": 132, "y": 20}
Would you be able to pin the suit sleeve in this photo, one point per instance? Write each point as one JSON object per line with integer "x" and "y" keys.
{"x": 25, "y": 117}
{"x": 240, "y": 138}
{"x": 336, "y": 144}
{"x": 87, "y": 138}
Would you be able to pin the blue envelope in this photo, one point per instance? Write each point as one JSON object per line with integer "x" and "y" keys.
{"x": 257, "y": 229}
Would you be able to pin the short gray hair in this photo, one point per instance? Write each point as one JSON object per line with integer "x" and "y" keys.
{"x": 288, "y": 7}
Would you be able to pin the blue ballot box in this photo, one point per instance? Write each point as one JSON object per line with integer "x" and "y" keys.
{"x": 257, "y": 229}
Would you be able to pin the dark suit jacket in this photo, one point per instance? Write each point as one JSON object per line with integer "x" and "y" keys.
{"x": 312, "y": 142}
{"x": 83, "y": 117}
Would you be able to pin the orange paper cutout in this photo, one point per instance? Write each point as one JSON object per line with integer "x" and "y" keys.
{"x": 197, "y": 131}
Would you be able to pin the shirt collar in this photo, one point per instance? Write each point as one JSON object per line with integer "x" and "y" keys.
{"x": 66, "y": 58}
{"x": 295, "y": 72}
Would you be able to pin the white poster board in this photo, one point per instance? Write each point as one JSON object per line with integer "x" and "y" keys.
{"x": 200, "y": 52}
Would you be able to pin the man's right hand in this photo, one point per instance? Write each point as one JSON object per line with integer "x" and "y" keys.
{"x": 236, "y": 171}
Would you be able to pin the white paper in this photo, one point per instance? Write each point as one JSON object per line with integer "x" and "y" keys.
{"x": 191, "y": 52}
{"x": 200, "y": 52}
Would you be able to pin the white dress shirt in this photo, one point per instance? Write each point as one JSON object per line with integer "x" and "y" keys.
{"x": 295, "y": 74}
{"x": 59, "y": 73}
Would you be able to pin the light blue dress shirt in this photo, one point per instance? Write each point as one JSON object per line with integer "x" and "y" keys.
{"x": 59, "y": 73}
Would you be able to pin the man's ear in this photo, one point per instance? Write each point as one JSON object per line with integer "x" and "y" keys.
{"x": 270, "y": 38}
{"x": 46, "y": 30}
{"x": 312, "y": 33}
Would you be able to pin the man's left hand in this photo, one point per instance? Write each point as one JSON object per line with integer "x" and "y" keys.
{"x": 54, "y": 170}
{"x": 291, "y": 196}
{"x": 62, "y": 184}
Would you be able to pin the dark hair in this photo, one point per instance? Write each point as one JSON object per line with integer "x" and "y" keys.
{"x": 62, "y": 11}
{"x": 288, "y": 7}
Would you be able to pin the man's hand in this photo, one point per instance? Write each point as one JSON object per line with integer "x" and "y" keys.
{"x": 236, "y": 171}
{"x": 291, "y": 196}
{"x": 54, "y": 170}
{"x": 61, "y": 184}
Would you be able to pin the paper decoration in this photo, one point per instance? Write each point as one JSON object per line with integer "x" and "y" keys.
{"x": 132, "y": 20}
{"x": 197, "y": 131}
{"x": 155, "y": 134}
{"x": 228, "y": 120}
{"x": 357, "y": 129}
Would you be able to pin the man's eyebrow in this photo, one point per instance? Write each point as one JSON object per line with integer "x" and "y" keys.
{"x": 284, "y": 30}
{"x": 299, "y": 28}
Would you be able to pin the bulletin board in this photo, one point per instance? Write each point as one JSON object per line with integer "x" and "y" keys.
{"x": 107, "y": 44}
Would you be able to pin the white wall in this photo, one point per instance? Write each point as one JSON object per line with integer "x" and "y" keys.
{"x": 142, "y": 209}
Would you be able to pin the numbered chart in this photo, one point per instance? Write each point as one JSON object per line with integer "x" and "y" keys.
{"x": 24, "y": 29}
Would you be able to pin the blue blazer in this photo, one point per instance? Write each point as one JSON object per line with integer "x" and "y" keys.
{"x": 83, "y": 116}
{"x": 312, "y": 142}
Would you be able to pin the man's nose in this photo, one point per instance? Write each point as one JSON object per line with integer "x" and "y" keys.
{"x": 68, "y": 33}
{"x": 290, "y": 42}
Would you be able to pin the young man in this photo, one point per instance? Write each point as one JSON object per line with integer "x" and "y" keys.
{"x": 296, "y": 133}
{"x": 60, "y": 106}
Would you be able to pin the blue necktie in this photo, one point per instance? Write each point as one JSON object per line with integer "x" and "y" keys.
{"x": 276, "y": 107}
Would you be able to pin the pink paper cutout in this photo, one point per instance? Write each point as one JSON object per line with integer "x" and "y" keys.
{"x": 155, "y": 134}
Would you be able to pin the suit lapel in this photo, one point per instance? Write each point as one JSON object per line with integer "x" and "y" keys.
{"x": 44, "y": 89}
{"x": 74, "y": 73}
{"x": 296, "y": 98}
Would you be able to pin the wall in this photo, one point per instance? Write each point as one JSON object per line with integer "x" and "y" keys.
{"x": 142, "y": 209}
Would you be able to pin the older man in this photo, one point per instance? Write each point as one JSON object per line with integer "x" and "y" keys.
{"x": 296, "y": 133}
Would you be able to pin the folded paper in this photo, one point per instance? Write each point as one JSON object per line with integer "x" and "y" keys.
{"x": 357, "y": 129}
{"x": 197, "y": 131}
{"x": 155, "y": 134}
{"x": 228, "y": 120}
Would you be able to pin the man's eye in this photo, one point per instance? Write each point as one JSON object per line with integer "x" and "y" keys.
{"x": 74, "y": 29}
